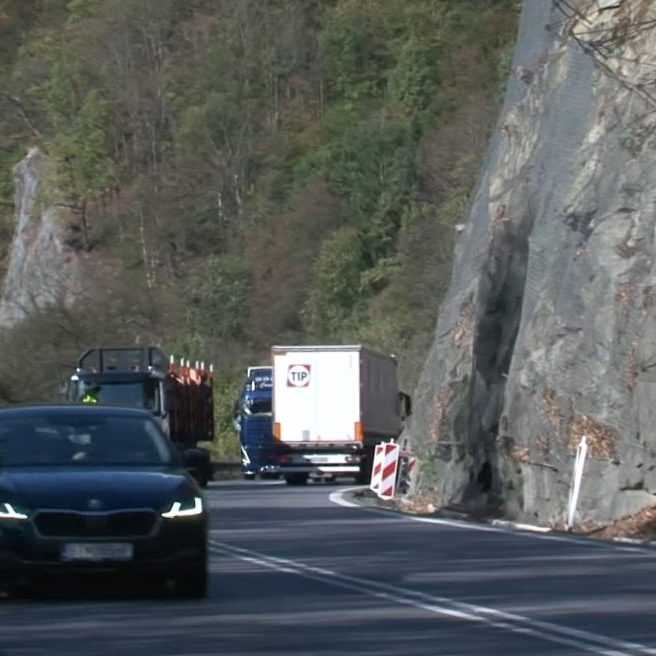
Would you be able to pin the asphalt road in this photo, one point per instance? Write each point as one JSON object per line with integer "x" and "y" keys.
{"x": 294, "y": 573}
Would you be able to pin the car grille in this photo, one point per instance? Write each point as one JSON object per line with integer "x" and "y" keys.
{"x": 137, "y": 523}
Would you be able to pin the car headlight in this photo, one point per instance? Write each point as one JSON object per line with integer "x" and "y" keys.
{"x": 9, "y": 511}
{"x": 188, "y": 508}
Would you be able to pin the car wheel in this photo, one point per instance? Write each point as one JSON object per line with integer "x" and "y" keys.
{"x": 193, "y": 583}
{"x": 296, "y": 479}
{"x": 249, "y": 476}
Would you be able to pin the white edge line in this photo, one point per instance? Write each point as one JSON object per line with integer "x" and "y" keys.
{"x": 495, "y": 526}
{"x": 597, "y": 644}
{"x": 521, "y": 527}
{"x": 338, "y": 499}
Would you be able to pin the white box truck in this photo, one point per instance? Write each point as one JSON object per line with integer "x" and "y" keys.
{"x": 331, "y": 406}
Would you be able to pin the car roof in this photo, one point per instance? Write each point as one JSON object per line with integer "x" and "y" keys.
{"x": 71, "y": 409}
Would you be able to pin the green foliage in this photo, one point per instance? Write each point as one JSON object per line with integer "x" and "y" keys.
{"x": 16, "y": 18}
{"x": 412, "y": 82}
{"x": 336, "y": 284}
{"x": 372, "y": 168}
{"x": 61, "y": 91}
{"x": 80, "y": 9}
{"x": 8, "y": 159}
{"x": 283, "y": 169}
{"x": 220, "y": 294}
{"x": 80, "y": 150}
{"x": 226, "y": 442}
{"x": 353, "y": 45}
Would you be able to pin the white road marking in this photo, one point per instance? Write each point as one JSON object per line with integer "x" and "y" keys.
{"x": 521, "y": 527}
{"x": 585, "y": 640}
{"x": 337, "y": 498}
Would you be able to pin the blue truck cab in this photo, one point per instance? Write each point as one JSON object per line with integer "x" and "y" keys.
{"x": 254, "y": 422}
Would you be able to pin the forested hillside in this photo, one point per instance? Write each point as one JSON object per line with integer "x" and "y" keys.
{"x": 247, "y": 172}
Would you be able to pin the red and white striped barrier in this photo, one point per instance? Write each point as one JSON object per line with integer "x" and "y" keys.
{"x": 384, "y": 470}
{"x": 377, "y": 468}
{"x": 390, "y": 464}
{"x": 390, "y": 470}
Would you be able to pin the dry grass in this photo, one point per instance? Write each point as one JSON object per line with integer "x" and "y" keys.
{"x": 601, "y": 439}
{"x": 422, "y": 504}
{"x": 542, "y": 442}
{"x": 626, "y": 293}
{"x": 641, "y": 525}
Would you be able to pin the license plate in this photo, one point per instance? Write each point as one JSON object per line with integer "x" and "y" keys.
{"x": 97, "y": 552}
{"x": 326, "y": 460}
{"x": 318, "y": 460}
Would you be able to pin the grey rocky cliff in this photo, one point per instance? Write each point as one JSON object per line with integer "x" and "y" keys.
{"x": 43, "y": 268}
{"x": 548, "y": 331}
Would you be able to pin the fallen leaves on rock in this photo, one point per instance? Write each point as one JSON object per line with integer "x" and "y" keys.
{"x": 641, "y": 526}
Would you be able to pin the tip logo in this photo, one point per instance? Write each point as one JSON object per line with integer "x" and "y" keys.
{"x": 298, "y": 375}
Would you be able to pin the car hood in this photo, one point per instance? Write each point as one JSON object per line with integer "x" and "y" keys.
{"x": 89, "y": 489}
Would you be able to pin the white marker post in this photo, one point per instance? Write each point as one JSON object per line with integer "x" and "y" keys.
{"x": 579, "y": 464}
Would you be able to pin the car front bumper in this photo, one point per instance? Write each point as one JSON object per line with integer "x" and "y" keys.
{"x": 176, "y": 545}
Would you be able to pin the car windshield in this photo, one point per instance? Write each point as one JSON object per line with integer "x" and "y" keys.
{"x": 77, "y": 440}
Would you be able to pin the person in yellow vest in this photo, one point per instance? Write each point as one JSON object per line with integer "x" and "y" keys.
{"x": 91, "y": 395}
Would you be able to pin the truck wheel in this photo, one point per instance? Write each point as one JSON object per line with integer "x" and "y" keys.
{"x": 364, "y": 475}
{"x": 296, "y": 479}
{"x": 193, "y": 583}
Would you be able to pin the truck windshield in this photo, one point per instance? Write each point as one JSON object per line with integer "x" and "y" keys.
{"x": 88, "y": 441}
{"x": 257, "y": 406}
{"x": 141, "y": 394}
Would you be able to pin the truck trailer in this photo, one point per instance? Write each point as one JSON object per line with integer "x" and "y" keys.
{"x": 178, "y": 395}
{"x": 331, "y": 406}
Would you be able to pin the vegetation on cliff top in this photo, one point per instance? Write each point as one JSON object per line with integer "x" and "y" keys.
{"x": 255, "y": 171}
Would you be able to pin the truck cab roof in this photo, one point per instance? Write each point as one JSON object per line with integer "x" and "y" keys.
{"x": 118, "y": 376}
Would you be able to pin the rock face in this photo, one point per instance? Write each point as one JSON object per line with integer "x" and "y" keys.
{"x": 548, "y": 332}
{"x": 43, "y": 269}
